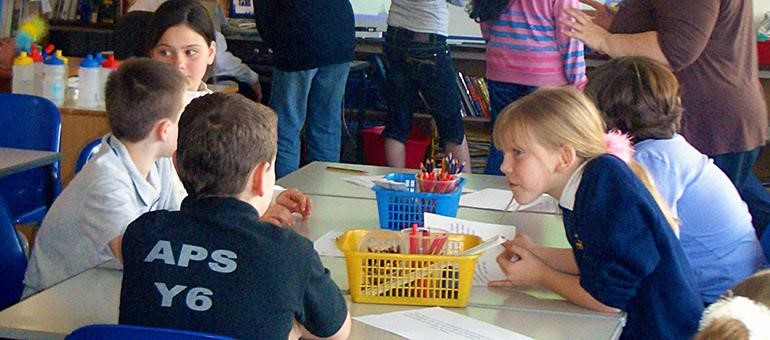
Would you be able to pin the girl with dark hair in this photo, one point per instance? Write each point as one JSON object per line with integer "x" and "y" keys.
{"x": 526, "y": 49}
{"x": 182, "y": 33}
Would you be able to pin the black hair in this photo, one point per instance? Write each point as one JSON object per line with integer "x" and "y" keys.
{"x": 487, "y": 10}
{"x": 177, "y": 12}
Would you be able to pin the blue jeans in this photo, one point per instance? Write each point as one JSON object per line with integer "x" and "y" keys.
{"x": 420, "y": 62}
{"x": 315, "y": 95}
{"x": 500, "y": 95}
{"x": 737, "y": 166}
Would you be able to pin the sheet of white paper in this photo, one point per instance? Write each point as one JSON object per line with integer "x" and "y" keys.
{"x": 487, "y": 268}
{"x": 497, "y": 199}
{"x": 437, "y": 323}
{"x": 363, "y": 181}
{"x": 326, "y": 245}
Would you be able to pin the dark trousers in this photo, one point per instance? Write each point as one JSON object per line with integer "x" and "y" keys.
{"x": 737, "y": 166}
{"x": 500, "y": 95}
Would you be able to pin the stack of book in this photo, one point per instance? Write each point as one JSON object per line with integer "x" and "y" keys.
{"x": 88, "y": 11}
{"x": 12, "y": 12}
{"x": 474, "y": 96}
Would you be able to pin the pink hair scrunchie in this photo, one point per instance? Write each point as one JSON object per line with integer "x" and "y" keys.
{"x": 619, "y": 145}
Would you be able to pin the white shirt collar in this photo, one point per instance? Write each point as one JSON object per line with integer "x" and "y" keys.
{"x": 567, "y": 200}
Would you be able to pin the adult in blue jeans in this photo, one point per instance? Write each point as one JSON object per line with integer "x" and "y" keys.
{"x": 417, "y": 59}
{"x": 312, "y": 43}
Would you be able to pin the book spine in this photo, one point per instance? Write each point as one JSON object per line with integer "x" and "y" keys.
{"x": 466, "y": 96}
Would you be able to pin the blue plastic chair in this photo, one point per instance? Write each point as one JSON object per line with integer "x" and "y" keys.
{"x": 765, "y": 242}
{"x": 30, "y": 122}
{"x": 13, "y": 261}
{"x": 88, "y": 151}
{"x": 127, "y": 332}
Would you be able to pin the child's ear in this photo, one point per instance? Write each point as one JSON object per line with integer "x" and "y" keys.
{"x": 162, "y": 129}
{"x": 567, "y": 156}
{"x": 256, "y": 182}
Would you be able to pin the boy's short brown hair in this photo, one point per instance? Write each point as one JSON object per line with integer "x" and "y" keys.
{"x": 222, "y": 137}
{"x": 141, "y": 92}
{"x": 638, "y": 96}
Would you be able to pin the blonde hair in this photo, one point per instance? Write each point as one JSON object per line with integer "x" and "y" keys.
{"x": 560, "y": 116}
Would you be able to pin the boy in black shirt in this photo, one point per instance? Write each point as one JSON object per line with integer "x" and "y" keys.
{"x": 213, "y": 266}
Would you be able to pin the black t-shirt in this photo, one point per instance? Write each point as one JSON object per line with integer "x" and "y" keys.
{"x": 214, "y": 267}
{"x": 306, "y": 34}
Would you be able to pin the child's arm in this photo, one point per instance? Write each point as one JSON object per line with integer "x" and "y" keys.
{"x": 530, "y": 270}
{"x": 561, "y": 259}
{"x": 115, "y": 246}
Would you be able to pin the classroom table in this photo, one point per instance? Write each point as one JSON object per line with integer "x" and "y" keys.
{"x": 93, "y": 297}
{"x": 18, "y": 160}
{"x": 324, "y": 178}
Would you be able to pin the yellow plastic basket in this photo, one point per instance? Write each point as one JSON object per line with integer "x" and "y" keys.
{"x": 402, "y": 279}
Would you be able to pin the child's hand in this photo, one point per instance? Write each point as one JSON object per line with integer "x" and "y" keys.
{"x": 521, "y": 240}
{"x": 296, "y": 202}
{"x": 278, "y": 215}
{"x": 527, "y": 270}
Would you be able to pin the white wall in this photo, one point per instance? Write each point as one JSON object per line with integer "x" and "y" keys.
{"x": 760, "y": 7}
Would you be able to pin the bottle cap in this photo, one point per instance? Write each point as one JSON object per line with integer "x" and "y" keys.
{"x": 89, "y": 62}
{"x": 23, "y": 59}
{"x": 99, "y": 58}
{"x": 35, "y": 55}
{"x": 49, "y": 49}
{"x": 111, "y": 62}
{"x": 53, "y": 60}
{"x": 61, "y": 56}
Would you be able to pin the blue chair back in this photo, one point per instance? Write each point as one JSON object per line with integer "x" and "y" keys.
{"x": 127, "y": 332}
{"x": 30, "y": 122}
{"x": 13, "y": 261}
{"x": 88, "y": 151}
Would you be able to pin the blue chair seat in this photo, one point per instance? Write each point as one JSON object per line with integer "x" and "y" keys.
{"x": 128, "y": 332}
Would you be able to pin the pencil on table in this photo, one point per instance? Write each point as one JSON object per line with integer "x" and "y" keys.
{"x": 339, "y": 169}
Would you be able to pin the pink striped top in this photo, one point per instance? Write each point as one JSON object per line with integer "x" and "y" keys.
{"x": 526, "y": 45}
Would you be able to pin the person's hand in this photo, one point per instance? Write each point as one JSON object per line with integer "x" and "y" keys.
{"x": 521, "y": 240}
{"x": 278, "y": 215}
{"x": 520, "y": 266}
{"x": 603, "y": 14}
{"x": 257, "y": 88}
{"x": 296, "y": 202}
{"x": 584, "y": 29}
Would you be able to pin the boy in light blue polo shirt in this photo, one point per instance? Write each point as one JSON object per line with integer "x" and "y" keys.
{"x": 640, "y": 97}
{"x": 131, "y": 174}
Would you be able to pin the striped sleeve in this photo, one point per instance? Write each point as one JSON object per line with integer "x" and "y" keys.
{"x": 571, "y": 50}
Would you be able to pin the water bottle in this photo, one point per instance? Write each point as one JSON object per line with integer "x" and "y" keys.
{"x": 23, "y": 75}
{"x": 37, "y": 59}
{"x": 54, "y": 85}
{"x": 108, "y": 66}
{"x": 88, "y": 83}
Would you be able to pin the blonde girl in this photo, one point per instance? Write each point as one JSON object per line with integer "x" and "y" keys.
{"x": 625, "y": 253}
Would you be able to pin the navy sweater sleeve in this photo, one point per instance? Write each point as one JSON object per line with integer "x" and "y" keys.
{"x": 619, "y": 250}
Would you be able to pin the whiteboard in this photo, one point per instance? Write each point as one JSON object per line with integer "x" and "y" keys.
{"x": 374, "y": 13}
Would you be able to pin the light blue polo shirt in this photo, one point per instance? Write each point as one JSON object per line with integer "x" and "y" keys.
{"x": 96, "y": 207}
{"x": 715, "y": 225}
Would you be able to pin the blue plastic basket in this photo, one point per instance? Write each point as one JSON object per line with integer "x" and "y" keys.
{"x": 400, "y": 209}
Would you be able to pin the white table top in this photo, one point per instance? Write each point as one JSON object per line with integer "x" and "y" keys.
{"x": 18, "y": 160}
{"x": 93, "y": 296}
{"x": 317, "y": 179}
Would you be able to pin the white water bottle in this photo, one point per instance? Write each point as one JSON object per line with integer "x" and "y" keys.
{"x": 109, "y": 65}
{"x": 88, "y": 83}
{"x": 53, "y": 80}
{"x": 37, "y": 60}
{"x": 23, "y": 75}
